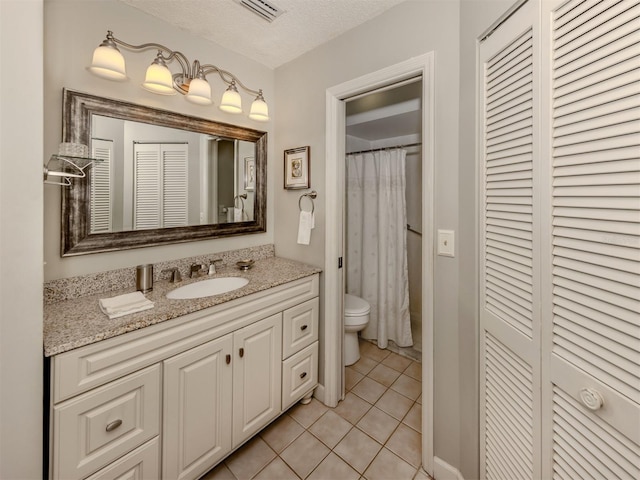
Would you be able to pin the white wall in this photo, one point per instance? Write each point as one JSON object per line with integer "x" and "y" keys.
{"x": 73, "y": 28}
{"x": 407, "y": 30}
{"x": 21, "y": 239}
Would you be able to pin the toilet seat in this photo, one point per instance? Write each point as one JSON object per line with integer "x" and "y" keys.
{"x": 356, "y": 318}
{"x": 355, "y": 306}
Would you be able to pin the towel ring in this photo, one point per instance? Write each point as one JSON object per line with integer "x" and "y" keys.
{"x": 241, "y": 197}
{"x": 311, "y": 195}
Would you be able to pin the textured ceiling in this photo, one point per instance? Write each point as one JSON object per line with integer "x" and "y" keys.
{"x": 304, "y": 25}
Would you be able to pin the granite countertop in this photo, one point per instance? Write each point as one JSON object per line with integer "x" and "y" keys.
{"x": 77, "y": 322}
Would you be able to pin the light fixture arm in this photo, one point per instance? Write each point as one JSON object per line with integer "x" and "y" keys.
{"x": 109, "y": 63}
{"x": 179, "y": 56}
{"x": 190, "y": 70}
{"x": 227, "y": 77}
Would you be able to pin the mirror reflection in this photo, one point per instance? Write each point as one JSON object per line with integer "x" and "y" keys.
{"x": 164, "y": 177}
{"x": 159, "y": 177}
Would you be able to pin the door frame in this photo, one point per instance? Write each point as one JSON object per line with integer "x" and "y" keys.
{"x": 423, "y": 66}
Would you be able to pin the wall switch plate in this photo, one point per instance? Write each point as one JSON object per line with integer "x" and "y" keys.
{"x": 446, "y": 243}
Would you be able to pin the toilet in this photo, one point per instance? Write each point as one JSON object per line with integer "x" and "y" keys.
{"x": 356, "y": 317}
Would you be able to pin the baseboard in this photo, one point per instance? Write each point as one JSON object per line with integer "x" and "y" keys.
{"x": 443, "y": 471}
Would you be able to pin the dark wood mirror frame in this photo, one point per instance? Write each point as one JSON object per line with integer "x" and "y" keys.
{"x": 76, "y": 238}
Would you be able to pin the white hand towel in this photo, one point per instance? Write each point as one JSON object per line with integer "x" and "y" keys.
{"x": 304, "y": 228}
{"x": 126, "y": 304}
{"x": 237, "y": 214}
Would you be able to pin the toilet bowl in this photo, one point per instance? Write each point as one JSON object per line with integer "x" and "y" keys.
{"x": 356, "y": 318}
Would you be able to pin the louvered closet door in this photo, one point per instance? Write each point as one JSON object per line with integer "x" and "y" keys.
{"x": 509, "y": 253}
{"x": 101, "y": 185}
{"x": 161, "y": 185}
{"x": 592, "y": 344}
{"x": 175, "y": 185}
{"x": 147, "y": 189}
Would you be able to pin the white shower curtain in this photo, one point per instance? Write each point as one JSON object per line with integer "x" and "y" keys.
{"x": 377, "y": 243}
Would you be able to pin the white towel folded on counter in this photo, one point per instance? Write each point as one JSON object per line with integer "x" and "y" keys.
{"x": 126, "y": 304}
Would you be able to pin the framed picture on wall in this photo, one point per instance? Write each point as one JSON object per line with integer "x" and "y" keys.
{"x": 296, "y": 168}
{"x": 249, "y": 174}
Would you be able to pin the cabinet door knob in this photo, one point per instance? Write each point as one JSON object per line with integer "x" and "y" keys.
{"x": 591, "y": 398}
{"x": 303, "y": 327}
{"x": 241, "y": 352}
{"x": 303, "y": 374}
{"x": 228, "y": 359}
{"x": 113, "y": 425}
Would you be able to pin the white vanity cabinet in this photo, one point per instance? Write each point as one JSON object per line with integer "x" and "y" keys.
{"x": 219, "y": 394}
{"x": 172, "y": 400}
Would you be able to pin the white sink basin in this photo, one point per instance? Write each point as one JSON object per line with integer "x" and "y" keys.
{"x": 207, "y": 288}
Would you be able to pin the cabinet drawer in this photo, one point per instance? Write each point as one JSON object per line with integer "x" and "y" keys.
{"x": 94, "y": 429}
{"x": 300, "y": 327}
{"x": 299, "y": 375}
{"x": 141, "y": 464}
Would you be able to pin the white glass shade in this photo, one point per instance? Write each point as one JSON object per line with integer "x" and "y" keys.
{"x": 231, "y": 101}
{"x": 108, "y": 63}
{"x": 259, "y": 111}
{"x": 159, "y": 80}
{"x": 199, "y": 92}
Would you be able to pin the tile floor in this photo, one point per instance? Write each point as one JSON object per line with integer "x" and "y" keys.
{"x": 373, "y": 434}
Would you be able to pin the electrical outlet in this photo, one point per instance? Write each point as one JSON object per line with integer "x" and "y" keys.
{"x": 446, "y": 243}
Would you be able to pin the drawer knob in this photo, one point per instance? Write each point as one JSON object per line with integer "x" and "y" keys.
{"x": 241, "y": 352}
{"x": 303, "y": 328}
{"x": 228, "y": 359}
{"x": 303, "y": 374}
{"x": 113, "y": 425}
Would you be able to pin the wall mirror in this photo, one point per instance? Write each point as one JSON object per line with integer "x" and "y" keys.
{"x": 161, "y": 177}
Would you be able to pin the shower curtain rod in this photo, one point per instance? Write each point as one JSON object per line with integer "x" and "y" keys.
{"x": 384, "y": 148}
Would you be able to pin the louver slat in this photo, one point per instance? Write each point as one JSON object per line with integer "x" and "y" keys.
{"x": 571, "y": 11}
{"x": 508, "y": 195}
{"x": 598, "y": 26}
{"x": 596, "y": 237}
{"x": 508, "y": 401}
{"x": 587, "y": 440}
{"x": 101, "y": 217}
{"x": 175, "y": 185}
{"x": 146, "y": 212}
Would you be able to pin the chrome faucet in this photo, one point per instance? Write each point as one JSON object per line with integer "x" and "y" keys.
{"x": 196, "y": 270}
{"x": 175, "y": 274}
{"x": 212, "y": 265}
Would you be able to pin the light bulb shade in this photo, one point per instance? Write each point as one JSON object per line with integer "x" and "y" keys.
{"x": 108, "y": 63}
{"x": 159, "y": 80}
{"x": 231, "y": 101}
{"x": 199, "y": 92}
{"x": 259, "y": 110}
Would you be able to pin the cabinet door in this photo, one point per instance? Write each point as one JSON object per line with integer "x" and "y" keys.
{"x": 197, "y": 401}
{"x": 257, "y": 376}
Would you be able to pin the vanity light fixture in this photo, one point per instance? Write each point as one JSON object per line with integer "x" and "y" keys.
{"x": 191, "y": 81}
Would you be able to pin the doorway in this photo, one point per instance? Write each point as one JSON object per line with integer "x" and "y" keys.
{"x": 383, "y": 239}
{"x": 423, "y": 67}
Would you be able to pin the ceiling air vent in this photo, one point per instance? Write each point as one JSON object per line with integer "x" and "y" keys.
{"x": 262, "y": 8}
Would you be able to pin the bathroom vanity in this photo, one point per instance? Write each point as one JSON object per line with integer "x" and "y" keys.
{"x": 171, "y": 398}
